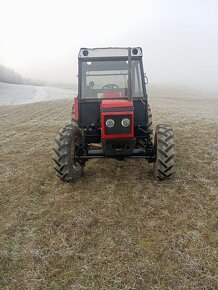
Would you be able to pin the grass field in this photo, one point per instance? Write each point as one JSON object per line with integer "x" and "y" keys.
{"x": 116, "y": 228}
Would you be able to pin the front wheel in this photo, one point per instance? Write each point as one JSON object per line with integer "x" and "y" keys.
{"x": 164, "y": 150}
{"x": 67, "y": 166}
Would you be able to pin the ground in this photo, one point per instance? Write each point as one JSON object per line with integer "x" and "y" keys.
{"x": 116, "y": 228}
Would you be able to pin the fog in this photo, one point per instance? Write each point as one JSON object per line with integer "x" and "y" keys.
{"x": 41, "y": 39}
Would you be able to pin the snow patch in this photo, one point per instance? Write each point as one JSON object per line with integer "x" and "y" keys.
{"x": 13, "y": 94}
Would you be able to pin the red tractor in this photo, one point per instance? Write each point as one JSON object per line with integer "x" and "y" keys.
{"x": 112, "y": 117}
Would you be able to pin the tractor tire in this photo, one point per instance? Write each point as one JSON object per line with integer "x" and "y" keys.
{"x": 150, "y": 126}
{"x": 164, "y": 149}
{"x": 67, "y": 167}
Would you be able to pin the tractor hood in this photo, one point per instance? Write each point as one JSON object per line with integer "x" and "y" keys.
{"x": 114, "y": 114}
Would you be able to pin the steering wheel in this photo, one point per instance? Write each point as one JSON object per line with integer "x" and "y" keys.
{"x": 110, "y": 87}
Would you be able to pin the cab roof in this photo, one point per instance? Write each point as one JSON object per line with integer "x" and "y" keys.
{"x": 109, "y": 52}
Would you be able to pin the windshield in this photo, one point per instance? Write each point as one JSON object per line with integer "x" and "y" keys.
{"x": 108, "y": 79}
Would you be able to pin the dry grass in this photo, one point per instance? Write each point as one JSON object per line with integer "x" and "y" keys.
{"x": 116, "y": 228}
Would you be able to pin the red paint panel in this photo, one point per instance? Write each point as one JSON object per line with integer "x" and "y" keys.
{"x": 116, "y": 104}
{"x": 76, "y": 109}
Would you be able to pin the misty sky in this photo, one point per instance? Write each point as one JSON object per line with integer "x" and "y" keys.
{"x": 41, "y": 38}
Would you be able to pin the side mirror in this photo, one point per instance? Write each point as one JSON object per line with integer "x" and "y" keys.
{"x": 146, "y": 79}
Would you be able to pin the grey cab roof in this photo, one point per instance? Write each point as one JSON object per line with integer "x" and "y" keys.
{"x": 109, "y": 52}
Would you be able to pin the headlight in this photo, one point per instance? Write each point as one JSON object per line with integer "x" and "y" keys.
{"x": 109, "y": 123}
{"x": 125, "y": 122}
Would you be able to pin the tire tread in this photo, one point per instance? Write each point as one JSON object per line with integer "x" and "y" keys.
{"x": 164, "y": 142}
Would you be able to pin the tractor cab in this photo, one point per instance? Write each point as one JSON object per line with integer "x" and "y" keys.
{"x": 110, "y": 72}
{"x": 110, "y": 78}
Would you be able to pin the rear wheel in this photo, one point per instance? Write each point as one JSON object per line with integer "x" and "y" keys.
{"x": 67, "y": 166}
{"x": 164, "y": 149}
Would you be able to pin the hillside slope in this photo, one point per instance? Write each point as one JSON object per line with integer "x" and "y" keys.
{"x": 8, "y": 75}
{"x": 116, "y": 228}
